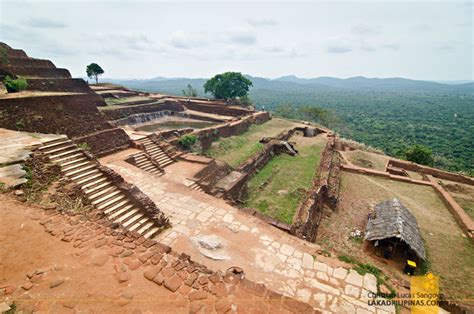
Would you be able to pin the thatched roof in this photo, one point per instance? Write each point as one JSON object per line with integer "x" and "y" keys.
{"x": 391, "y": 219}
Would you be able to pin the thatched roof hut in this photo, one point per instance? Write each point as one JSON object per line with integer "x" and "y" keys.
{"x": 391, "y": 219}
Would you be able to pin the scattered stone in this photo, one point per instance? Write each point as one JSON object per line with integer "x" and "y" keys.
{"x": 56, "y": 283}
{"x": 70, "y": 304}
{"x": 145, "y": 257}
{"x": 219, "y": 289}
{"x": 18, "y": 192}
{"x": 168, "y": 272}
{"x": 173, "y": 283}
{"x": 155, "y": 259}
{"x": 100, "y": 243}
{"x": 195, "y": 307}
{"x": 197, "y": 295}
{"x": 27, "y": 286}
{"x": 127, "y": 295}
{"x": 210, "y": 246}
{"x": 123, "y": 277}
{"x": 134, "y": 264}
{"x": 115, "y": 251}
{"x": 253, "y": 288}
{"x": 31, "y": 274}
{"x": 158, "y": 279}
{"x": 307, "y": 261}
{"x": 223, "y": 306}
{"x": 191, "y": 279}
{"x": 100, "y": 260}
{"x": 152, "y": 272}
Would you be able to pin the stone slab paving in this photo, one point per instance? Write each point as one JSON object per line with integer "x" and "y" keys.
{"x": 284, "y": 263}
{"x": 15, "y": 148}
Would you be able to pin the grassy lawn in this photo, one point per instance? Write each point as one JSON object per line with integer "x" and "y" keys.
{"x": 118, "y": 101}
{"x": 278, "y": 188}
{"x": 236, "y": 149}
{"x": 367, "y": 160}
{"x": 450, "y": 254}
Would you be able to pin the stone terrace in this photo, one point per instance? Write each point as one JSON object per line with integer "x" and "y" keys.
{"x": 270, "y": 256}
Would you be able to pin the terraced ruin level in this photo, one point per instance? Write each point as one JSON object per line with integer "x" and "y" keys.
{"x": 107, "y": 207}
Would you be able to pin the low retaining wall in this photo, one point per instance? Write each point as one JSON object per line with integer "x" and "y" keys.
{"x": 120, "y": 113}
{"x": 215, "y": 108}
{"x": 40, "y": 72}
{"x": 325, "y": 190}
{"x": 73, "y": 115}
{"x": 106, "y": 142}
{"x": 31, "y": 62}
{"x": 59, "y": 85}
{"x": 463, "y": 220}
{"x": 410, "y": 166}
{"x": 145, "y": 118}
{"x": 366, "y": 171}
{"x": 208, "y": 135}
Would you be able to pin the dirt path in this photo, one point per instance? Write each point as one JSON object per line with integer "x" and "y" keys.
{"x": 82, "y": 266}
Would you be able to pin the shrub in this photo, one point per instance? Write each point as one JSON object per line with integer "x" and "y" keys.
{"x": 188, "y": 140}
{"x": 14, "y": 86}
{"x": 420, "y": 154}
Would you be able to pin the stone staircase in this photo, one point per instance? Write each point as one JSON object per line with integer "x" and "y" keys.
{"x": 155, "y": 151}
{"x": 97, "y": 187}
{"x": 142, "y": 161}
{"x": 193, "y": 185}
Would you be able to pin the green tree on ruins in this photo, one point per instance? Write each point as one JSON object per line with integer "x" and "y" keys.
{"x": 228, "y": 85}
{"x": 420, "y": 154}
{"x": 94, "y": 70}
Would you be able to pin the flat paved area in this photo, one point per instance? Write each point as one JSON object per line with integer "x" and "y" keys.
{"x": 284, "y": 263}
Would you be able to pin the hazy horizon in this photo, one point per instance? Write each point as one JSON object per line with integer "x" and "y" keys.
{"x": 420, "y": 40}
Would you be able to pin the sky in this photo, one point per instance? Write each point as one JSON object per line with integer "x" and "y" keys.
{"x": 132, "y": 39}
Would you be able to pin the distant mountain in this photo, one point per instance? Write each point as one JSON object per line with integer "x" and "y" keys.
{"x": 294, "y": 84}
{"x": 377, "y": 84}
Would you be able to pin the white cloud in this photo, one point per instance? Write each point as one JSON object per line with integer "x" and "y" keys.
{"x": 241, "y": 36}
{"x": 365, "y": 30}
{"x": 262, "y": 21}
{"x": 43, "y": 22}
{"x": 339, "y": 45}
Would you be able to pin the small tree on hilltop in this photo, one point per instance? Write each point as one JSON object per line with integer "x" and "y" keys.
{"x": 419, "y": 154}
{"x": 228, "y": 85}
{"x": 93, "y": 70}
{"x": 190, "y": 91}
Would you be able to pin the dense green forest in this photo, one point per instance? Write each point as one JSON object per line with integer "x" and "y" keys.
{"x": 391, "y": 115}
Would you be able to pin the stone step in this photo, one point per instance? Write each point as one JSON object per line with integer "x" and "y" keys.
{"x": 63, "y": 154}
{"x": 73, "y": 172}
{"x": 151, "y": 232}
{"x": 91, "y": 181}
{"x": 97, "y": 187}
{"x": 132, "y": 219}
{"x": 45, "y": 148}
{"x": 71, "y": 162}
{"x": 148, "y": 168}
{"x": 61, "y": 148}
{"x": 121, "y": 211}
{"x": 111, "y": 202}
{"x": 106, "y": 197}
{"x": 116, "y": 206}
{"x": 166, "y": 163}
{"x": 154, "y": 149}
{"x": 145, "y": 227}
{"x": 68, "y": 158}
{"x": 74, "y": 165}
{"x": 162, "y": 158}
{"x": 123, "y": 218}
{"x": 137, "y": 225}
{"x": 156, "y": 171}
{"x": 102, "y": 191}
{"x": 140, "y": 158}
{"x": 85, "y": 174}
{"x": 52, "y": 142}
{"x": 144, "y": 163}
